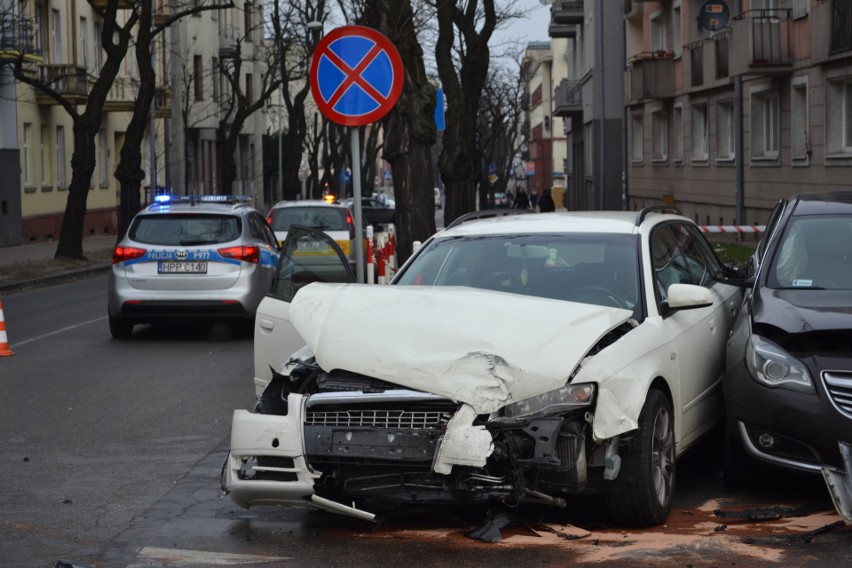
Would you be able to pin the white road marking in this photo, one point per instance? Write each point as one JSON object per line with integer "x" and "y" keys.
{"x": 58, "y": 331}
{"x": 177, "y": 557}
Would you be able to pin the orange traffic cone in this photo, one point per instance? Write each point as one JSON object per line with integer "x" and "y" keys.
{"x": 4, "y": 343}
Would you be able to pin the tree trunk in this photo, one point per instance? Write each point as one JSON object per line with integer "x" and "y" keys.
{"x": 82, "y": 168}
{"x": 410, "y": 128}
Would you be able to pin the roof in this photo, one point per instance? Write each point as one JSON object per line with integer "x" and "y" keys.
{"x": 560, "y": 222}
{"x": 200, "y": 204}
{"x": 307, "y": 202}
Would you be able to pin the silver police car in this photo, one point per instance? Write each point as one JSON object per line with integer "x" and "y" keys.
{"x": 191, "y": 257}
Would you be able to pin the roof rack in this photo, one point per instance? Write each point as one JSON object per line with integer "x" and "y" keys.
{"x": 656, "y": 208}
{"x": 485, "y": 214}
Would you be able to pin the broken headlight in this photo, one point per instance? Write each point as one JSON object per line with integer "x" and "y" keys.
{"x": 773, "y": 367}
{"x": 569, "y": 397}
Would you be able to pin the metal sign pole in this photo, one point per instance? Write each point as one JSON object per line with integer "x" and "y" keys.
{"x": 356, "y": 196}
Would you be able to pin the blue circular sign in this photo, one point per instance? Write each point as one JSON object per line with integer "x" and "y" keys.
{"x": 713, "y": 15}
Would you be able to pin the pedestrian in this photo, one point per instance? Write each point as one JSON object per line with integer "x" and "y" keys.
{"x": 521, "y": 200}
{"x": 546, "y": 204}
{"x": 533, "y": 200}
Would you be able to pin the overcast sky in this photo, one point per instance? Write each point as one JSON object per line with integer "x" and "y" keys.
{"x": 533, "y": 27}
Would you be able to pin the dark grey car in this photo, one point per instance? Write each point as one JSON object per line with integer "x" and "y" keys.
{"x": 788, "y": 385}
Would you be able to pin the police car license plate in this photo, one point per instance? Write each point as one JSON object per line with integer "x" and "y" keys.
{"x": 173, "y": 267}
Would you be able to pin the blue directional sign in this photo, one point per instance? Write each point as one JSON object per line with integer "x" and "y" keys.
{"x": 356, "y": 75}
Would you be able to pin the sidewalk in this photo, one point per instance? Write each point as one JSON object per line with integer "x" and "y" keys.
{"x": 32, "y": 264}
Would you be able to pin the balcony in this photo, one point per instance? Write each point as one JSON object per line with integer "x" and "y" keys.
{"x": 760, "y": 43}
{"x": 122, "y": 95}
{"x": 68, "y": 80}
{"x": 228, "y": 41}
{"x": 16, "y": 38}
{"x": 163, "y": 102}
{"x": 651, "y": 76}
{"x": 122, "y": 4}
{"x": 568, "y": 100}
{"x": 565, "y": 16}
{"x": 832, "y": 30}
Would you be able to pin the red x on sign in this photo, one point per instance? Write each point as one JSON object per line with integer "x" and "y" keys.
{"x": 356, "y": 75}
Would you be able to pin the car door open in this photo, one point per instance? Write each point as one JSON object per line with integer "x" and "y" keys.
{"x": 308, "y": 255}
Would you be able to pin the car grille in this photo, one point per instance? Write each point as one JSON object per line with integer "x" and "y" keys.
{"x": 839, "y": 387}
{"x": 404, "y": 419}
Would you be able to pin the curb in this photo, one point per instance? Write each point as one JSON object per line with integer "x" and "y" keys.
{"x": 50, "y": 280}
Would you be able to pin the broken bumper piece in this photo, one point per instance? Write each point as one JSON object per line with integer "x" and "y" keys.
{"x": 840, "y": 483}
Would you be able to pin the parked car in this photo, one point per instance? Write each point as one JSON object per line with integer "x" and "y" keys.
{"x": 501, "y": 201}
{"x": 374, "y": 211}
{"x": 788, "y": 385}
{"x": 191, "y": 257}
{"x": 331, "y": 217}
{"x": 518, "y": 358}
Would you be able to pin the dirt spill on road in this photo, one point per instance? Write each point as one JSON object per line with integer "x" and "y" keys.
{"x": 688, "y": 534}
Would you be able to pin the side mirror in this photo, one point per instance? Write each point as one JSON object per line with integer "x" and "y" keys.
{"x": 688, "y": 297}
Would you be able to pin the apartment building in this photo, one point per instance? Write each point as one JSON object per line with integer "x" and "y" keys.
{"x": 732, "y": 105}
{"x": 185, "y": 151}
{"x": 589, "y": 36}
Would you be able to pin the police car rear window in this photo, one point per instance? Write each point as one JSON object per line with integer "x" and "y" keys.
{"x": 185, "y": 230}
{"x": 322, "y": 218}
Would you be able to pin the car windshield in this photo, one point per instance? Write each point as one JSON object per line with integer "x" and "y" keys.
{"x": 589, "y": 268}
{"x": 322, "y": 218}
{"x": 814, "y": 253}
{"x": 185, "y": 230}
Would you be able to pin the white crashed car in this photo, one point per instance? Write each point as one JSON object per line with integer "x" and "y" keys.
{"x": 514, "y": 359}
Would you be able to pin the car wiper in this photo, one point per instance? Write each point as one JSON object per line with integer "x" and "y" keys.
{"x": 801, "y": 288}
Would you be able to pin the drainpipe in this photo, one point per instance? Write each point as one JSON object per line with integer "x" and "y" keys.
{"x": 8, "y": 104}
{"x": 738, "y": 139}
{"x": 601, "y": 142}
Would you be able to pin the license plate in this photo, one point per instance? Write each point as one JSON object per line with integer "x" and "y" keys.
{"x": 173, "y": 267}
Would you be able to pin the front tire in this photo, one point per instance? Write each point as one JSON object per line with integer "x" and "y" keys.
{"x": 647, "y": 499}
{"x": 119, "y": 328}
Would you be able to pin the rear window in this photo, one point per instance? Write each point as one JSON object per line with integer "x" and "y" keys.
{"x": 322, "y": 218}
{"x": 185, "y": 230}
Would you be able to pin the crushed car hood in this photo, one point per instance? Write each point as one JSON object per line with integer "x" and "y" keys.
{"x": 801, "y": 311}
{"x": 486, "y": 349}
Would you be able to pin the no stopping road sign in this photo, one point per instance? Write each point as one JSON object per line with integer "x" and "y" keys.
{"x": 356, "y": 75}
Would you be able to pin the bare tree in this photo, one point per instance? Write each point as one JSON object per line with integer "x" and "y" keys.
{"x": 65, "y": 84}
{"x": 409, "y": 127}
{"x": 499, "y": 135}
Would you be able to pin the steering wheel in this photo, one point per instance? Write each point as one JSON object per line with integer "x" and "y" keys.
{"x": 596, "y": 295}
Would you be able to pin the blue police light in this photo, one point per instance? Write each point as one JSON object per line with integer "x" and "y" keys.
{"x": 165, "y": 198}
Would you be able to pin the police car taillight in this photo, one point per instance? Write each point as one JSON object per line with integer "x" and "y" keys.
{"x": 243, "y": 253}
{"x": 351, "y": 225}
{"x": 122, "y": 254}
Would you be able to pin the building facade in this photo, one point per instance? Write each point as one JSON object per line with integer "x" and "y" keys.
{"x": 184, "y": 154}
{"x": 732, "y": 105}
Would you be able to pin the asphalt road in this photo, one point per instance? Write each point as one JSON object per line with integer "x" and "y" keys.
{"x": 111, "y": 453}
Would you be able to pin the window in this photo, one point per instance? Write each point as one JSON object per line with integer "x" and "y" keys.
{"x": 38, "y": 31}
{"x": 680, "y": 257}
{"x": 677, "y": 36}
{"x": 27, "y": 155}
{"x": 800, "y": 8}
{"x": 659, "y": 135}
{"x": 60, "y": 156}
{"x": 99, "y": 50}
{"x": 637, "y": 137}
{"x": 699, "y": 132}
{"x": 658, "y": 32}
{"x": 678, "y": 134}
{"x": 55, "y": 37}
{"x": 198, "y": 78}
{"x": 765, "y": 120}
{"x": 838, "y": 117}
{"x": 249, "y": 88}
{"x": 102, "y": 158}
{"x": 725, "y": 148}
{"x": 799, "y": 122}
{"x": 84, "y": 42}
{"x": 247, "y": 12}
{"x": 722, "y": 56}
{"x": 216, "y": 79}
{"x": 45, "y": 156}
